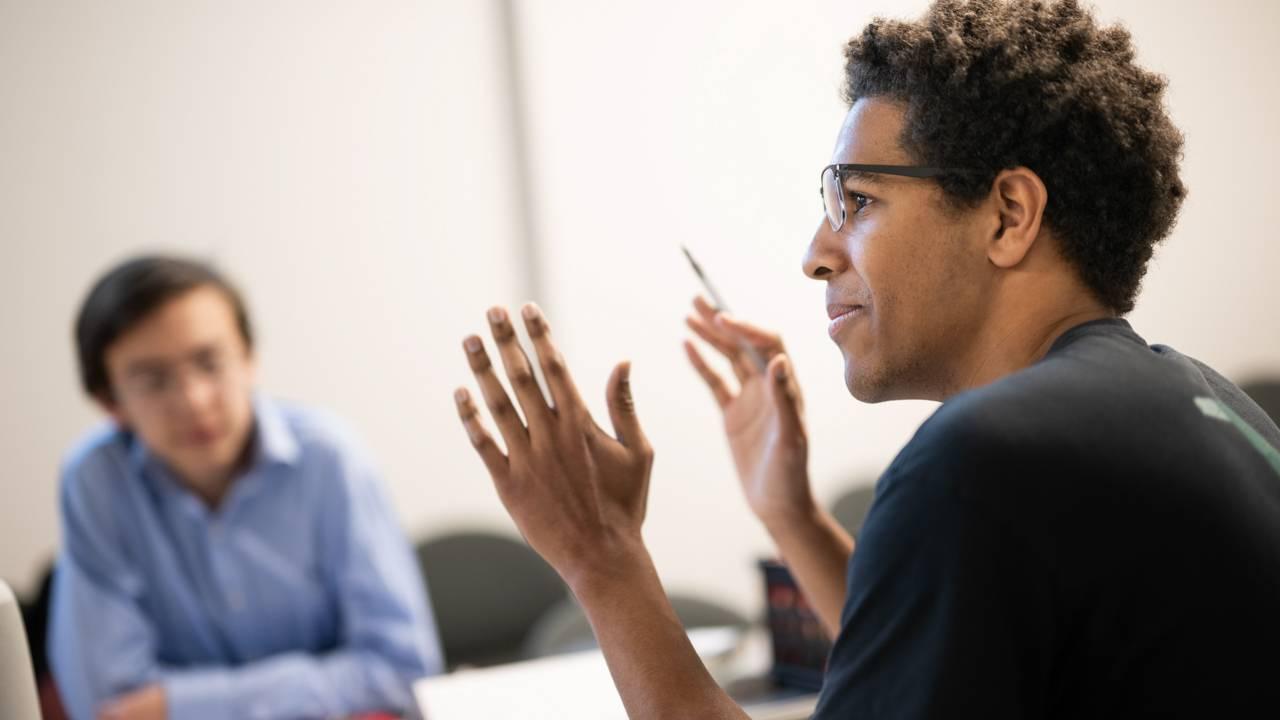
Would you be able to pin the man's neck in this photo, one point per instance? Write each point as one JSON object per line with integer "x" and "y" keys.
{"x": 1006, "y": 346}
{"x": 212, "y": 488}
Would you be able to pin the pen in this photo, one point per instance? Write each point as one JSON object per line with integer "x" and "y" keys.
{"x": 722, "y": 307}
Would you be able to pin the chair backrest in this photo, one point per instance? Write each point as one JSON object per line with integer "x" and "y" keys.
{"x": 565, "y": 628}
{"x": 1266, "y": 392}
{"x": 18, "y": 699}
{"x": 850, "y": 509}
{"x": 487, "y": 591}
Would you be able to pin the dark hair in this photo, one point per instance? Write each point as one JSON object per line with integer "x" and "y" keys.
{"x": 127, "y": 294}
{"x": 995, "y": 84}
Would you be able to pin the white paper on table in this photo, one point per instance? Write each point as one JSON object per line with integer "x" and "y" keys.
{"x": 563, "y": 687}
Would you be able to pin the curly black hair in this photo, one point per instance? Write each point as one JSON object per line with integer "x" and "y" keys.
{"x": 997, "y": 84}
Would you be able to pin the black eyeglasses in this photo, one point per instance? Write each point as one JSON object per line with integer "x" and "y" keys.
{"x": 832, "y": 188}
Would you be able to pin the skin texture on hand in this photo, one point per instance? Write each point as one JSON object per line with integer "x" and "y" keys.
{"x": 145, "y": 704}
{"x": 764, "y": 419}
{"x": 579, "y": 497}
{"x": 764, "y": 424}
{"x": 577, "y": 493}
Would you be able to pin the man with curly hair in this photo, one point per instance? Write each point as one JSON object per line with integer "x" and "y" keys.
{"x": 1088, "y": 526}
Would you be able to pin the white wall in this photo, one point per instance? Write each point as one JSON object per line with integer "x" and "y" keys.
{"x": 336, "y": 159}
{"x": 706, "y": 123}
{"x": 340, "y": 162}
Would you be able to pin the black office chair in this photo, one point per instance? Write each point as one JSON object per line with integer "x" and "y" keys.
{"x": 487, "y": 591}
{"x": 35, "y": 615}
{"x": 850, "y": 509}
{"x": 1265, "y": 392}
{"x": 565, "y": 629}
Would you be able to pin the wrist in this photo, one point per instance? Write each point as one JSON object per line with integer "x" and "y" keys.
{"x": 794, "y": 518}
{"x": 614, "y": 560}
{"x": 800, "y": 510}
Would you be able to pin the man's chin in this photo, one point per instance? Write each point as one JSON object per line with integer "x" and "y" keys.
{"x": 859, "y": 384}
{"x": 202, "y": 467}
{"x": 885, "y": 384}
{"x": 867, "y": 385}
{"x": 866, "y": 394}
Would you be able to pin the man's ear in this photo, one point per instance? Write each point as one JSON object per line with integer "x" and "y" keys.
{"x": 251, "y": 366}
{"x": 1020, "y": 197}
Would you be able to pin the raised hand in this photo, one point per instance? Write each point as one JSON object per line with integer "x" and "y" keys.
{"x": 577, "y": 493}
{"x": 763, "y": 415}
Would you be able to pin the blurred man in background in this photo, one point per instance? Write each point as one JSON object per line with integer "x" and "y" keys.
{"x": 224, "y": 555}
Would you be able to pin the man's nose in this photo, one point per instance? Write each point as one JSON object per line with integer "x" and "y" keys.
{"x": 826, "y": 256}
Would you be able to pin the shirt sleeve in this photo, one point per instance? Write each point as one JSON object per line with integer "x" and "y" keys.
{"x": 948, "y": 610}
{"x": 388, "y": 637}
{"x": 102, "y": 644}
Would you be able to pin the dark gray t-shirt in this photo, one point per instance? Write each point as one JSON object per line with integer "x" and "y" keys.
{"x": 1095, "y": 536}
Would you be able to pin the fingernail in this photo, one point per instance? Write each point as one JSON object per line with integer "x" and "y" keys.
{"x": 459, "y": 396}
{"x": 780, "y": 373}
{"x": 530, "y": 312}
{"x": 473, "y": 344}
{"x": 497, "y": 315}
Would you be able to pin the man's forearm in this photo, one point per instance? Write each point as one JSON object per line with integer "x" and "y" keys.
{"x": 817, "y": 551}
{"x": 291, "y": 684}
{"x": 654, "y": 666}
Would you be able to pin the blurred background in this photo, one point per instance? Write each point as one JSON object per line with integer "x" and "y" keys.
{"x": 375, "y": 174}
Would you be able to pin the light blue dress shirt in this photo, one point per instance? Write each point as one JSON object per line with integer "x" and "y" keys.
{"x": 297, "y": 598}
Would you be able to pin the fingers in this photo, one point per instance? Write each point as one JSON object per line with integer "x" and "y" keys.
{"x": 495, "y": 397}
{"x": 725, "y": 345}
{"x": 523, "y": 382}
{"x": 753, "y": 346}
{"x": 769, "y": 343}
{"x": 705, "y": 308}
{"x": 763, "y": 340}
{"x": 785, "y": 394}
{"x": 564, "y": 393}
{"x": 494, "y": 461}
{"x": 713, "y": 380}
{"x": 622, "y": 409}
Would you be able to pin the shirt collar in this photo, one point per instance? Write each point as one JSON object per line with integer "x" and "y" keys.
{"x": 1107, "y": 326}
{"x": 276, "y": 442}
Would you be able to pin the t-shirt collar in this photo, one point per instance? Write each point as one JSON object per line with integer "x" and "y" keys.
{"x": 1102, "y": 326}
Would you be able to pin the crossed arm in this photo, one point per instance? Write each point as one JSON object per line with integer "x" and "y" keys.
{"x": 105, "y": 647}
{"x": 578, "y": 494}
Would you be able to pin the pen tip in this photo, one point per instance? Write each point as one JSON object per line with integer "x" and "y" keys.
{"x": 692, "y": 262}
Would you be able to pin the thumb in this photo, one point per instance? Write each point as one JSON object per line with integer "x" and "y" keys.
{"x": 622, "y": 409}
{"x": 784, "y": 393}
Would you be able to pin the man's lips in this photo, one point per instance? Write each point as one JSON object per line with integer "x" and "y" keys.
{"x": 202, "y": 436}
{"x": 842, "y": 315}
{"x": 835, "y": 311}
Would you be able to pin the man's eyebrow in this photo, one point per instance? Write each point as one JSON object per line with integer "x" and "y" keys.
{"x": 203, "y": 351}
{"x": 862, "y": 176}
{"x": 146, "y": 367}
